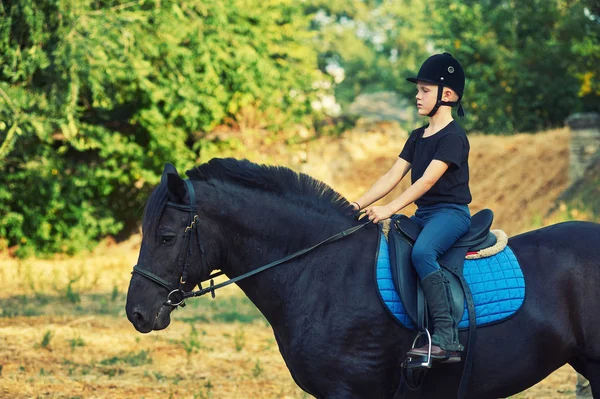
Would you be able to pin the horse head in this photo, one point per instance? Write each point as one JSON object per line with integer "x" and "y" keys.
{"x": 171, "y": 254}
{"x": 229, "y": 215}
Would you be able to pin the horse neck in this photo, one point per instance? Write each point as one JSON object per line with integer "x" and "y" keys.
{"x": 257, "y": 235}
{"x": 259, "y": 228}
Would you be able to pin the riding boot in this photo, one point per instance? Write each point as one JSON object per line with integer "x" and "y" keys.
{"x": 444, "y": 341}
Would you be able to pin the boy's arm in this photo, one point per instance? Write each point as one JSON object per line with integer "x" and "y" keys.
{"x": 432, "y": 174}
{"x": 385, "y": 183}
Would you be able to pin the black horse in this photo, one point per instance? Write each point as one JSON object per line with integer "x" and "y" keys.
{"x": 332, "y": 330}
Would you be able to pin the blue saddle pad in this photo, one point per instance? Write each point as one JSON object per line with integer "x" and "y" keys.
{"x": 496, "y": 282}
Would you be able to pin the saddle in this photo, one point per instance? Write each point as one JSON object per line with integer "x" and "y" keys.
{"x": 401, "y": 239}
{"x": 402, "y": 236}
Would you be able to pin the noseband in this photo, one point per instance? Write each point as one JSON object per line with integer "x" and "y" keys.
{"x": 177, "y": 295}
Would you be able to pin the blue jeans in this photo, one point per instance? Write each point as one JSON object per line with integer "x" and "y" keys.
{"x": 443, "y": 224}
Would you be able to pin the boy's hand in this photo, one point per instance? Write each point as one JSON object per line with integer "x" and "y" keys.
{"x": 379, "y": 213}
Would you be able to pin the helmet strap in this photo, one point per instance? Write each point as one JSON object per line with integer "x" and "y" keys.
{"x": 439, "y": 103}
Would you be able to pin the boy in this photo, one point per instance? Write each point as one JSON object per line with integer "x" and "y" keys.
{"x": 437, "y": 155}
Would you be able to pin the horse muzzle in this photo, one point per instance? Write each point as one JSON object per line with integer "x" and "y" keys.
{"x": 145, "y": 322}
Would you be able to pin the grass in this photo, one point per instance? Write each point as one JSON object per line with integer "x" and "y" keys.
{"x": 239, "y": 339}
{"x": 258, "y": 369}
{"x": 132, "y": 359}
{"x": 55, "y": 305}
{"x": 116, "y": 364}
{"x": 71, "y": 295}
{"x": 205, "y": 392}
{"x": 228, "y": 310}
{"x": 45, "y": 342}
{"x": 115, "y": 293}
{"x": 191, "y": 344}
{"x": 232, "y": 309}
{"x": 76, "y": 342}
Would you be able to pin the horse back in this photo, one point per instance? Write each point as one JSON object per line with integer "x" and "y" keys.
{"x": 566, "y": 245}
{"x": 561, "y": 266}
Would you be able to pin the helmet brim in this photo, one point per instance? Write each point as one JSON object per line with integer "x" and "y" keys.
{"x": 417, "y": 80}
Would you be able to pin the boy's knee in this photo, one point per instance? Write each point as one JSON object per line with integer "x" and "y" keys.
{"x": 421, "y": 255}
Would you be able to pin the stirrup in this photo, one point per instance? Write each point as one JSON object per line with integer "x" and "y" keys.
{"x": 411, "y": 362}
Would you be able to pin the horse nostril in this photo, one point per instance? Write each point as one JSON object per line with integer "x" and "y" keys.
{"x": 137, "y": 318}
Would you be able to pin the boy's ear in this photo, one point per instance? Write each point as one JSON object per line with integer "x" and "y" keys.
{"x": 450, "y": 95}
{"x": 176, "y": 186}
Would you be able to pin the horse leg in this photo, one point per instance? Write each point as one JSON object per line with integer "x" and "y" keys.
{"x": 590, "y": 369}
{"x": 592, "y": 373}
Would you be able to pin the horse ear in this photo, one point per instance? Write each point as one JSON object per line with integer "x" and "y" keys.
{"x": 176, "y": 186}
{"x": 169, "y": 168}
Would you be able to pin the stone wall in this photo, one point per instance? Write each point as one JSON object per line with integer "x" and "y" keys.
{"x": 585, "y": 143}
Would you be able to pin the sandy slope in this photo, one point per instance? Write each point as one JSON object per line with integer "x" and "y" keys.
{"x": 518, "y": 177}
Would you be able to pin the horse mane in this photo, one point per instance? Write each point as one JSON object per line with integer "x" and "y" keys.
{"x": 280, "y": 180}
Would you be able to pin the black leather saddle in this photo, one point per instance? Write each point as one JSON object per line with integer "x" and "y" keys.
{"x": 402, "y": 236}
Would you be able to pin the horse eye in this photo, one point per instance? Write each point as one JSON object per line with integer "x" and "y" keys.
{"x": 168, "y": 238}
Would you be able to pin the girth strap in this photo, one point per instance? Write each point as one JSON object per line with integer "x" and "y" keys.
{"x": 468, "y": 365}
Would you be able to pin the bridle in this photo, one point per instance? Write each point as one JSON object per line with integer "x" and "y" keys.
{"x": 178, "y": 295}
{"x": 185, "y": 257}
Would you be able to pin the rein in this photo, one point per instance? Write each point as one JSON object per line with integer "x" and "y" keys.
{"x": 181, "y": 294}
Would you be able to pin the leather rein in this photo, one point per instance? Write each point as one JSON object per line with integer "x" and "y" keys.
{"x": 178, "y": 295}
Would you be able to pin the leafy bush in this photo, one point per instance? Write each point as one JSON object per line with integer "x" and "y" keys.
{"x": 97, "y": 95}
{"x": 529, "y": 64}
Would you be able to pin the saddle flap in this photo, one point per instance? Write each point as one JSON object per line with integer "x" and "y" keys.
{"x": 406, "y": 281}
{"x": 404, "y": 275}
{"x": 407, "y": 226}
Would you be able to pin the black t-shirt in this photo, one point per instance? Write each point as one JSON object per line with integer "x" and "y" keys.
{"x": 449, "y": 145}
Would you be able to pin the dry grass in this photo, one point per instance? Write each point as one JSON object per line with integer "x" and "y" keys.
{"x": 116, "y": 362}
{"x": 63, "y": 330}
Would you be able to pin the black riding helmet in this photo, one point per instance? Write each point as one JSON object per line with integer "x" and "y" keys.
{"x": 443, "y": 70}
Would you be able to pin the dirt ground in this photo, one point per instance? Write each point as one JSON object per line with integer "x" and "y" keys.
{"x": 64, "y": 333}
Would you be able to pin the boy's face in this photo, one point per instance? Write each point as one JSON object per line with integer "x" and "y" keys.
{"x": 427, "y": 96}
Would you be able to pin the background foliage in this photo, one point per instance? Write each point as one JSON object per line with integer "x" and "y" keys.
{"x": 530, "y": 64}
{"x": 96, "y": 95}
{"x": 99, "y": 94}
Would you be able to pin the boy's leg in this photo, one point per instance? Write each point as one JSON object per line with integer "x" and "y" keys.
{"x": 441, "y": 230}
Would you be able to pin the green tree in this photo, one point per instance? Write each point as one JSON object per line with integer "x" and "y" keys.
{"x": 529, "y": 64}
{"x": 96, "y": 95}
{"x": 377, "y": 44}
